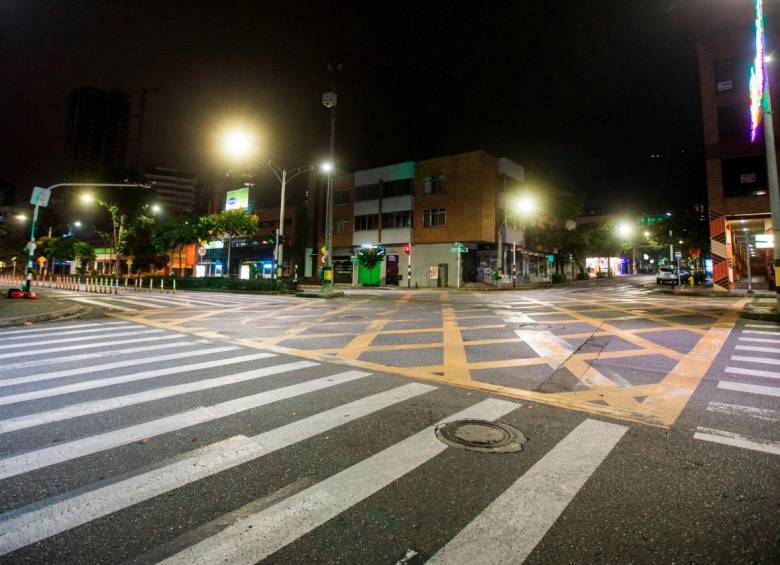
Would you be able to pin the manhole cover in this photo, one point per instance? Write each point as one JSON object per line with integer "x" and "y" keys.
{"x": 479, "y": 435}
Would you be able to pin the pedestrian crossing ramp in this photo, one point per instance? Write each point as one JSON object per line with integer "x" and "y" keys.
{"x": 181, "y": 450}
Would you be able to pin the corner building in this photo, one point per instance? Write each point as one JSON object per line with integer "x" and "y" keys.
{"x": 425, "y": 206}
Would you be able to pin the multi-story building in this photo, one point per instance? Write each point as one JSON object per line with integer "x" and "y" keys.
{"x": 177, "y": 191}
{"x": 425, "y": 207}
{"x": 736, "y": 168}
{"x": 96, "y": 133}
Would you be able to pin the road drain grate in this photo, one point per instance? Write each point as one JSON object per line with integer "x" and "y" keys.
{"x": 480, "y": 435}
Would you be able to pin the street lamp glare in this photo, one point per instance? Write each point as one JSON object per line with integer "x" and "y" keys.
{"x": 77, "y": 223}
{"x": 326, "y": 167}
{"x": 21, "y": 217}
{"x": 625, "y": 229}
{"x": 526, "y": 205}
{"x": 87, "y": 198}
{"x": 238, "y": 144}
{"x": 647, "y": 233}
{"x": 156, "y": 208}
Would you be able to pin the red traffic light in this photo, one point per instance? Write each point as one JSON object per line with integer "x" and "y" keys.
{"x": 407, "y": 249}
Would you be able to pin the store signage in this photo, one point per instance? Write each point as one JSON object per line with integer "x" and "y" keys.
{"x": 725, "y": 85}
{"x": 765, "y": 241}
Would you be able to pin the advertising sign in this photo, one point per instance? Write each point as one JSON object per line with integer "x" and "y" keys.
{"x": 765, "y": 240}
{"x": 434, "y": 272}
{"x": 237, "y": 199}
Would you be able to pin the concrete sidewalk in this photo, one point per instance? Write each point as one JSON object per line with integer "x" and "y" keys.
{"x": 19, "y": 311}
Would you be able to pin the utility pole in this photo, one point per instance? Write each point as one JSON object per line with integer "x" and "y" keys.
{"x": 774, "y": 191}
{"x": 747, "y": 260}
{"x": 329, "y": 100}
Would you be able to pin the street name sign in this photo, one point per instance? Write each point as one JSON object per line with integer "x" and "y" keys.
{"x": 40, "y": 196}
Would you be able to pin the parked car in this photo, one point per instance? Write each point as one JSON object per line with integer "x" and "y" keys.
{"x": 667, "y": 274}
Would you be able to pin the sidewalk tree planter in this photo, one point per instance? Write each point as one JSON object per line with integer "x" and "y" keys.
{"x": 369, "y": 263}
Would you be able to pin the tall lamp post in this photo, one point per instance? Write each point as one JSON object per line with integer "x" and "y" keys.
{"x": 329, "y": 100}
{"x": 625, "y": 231}
{"x": 41, "y": 198}
{"x": 240, "y": 144}
{"x": 523, "y": 207}
{"x": 761, "y": 102}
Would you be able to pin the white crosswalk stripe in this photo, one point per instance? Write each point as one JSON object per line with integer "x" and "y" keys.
{"x": 48, "y": 329}
{"x": 134, "y": 377}
{"x": 110, "y": 334}
{"x": 104, "y": 405}
{"x": 67, "y": 332}
{"x": 509, "y": 529}
{"x": 96, "y": 344}
{"x": 749, "y": 388}
{"x": 736, "y": 440}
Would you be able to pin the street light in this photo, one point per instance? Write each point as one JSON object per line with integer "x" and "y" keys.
{"x": 156, "y": 209}
{"x": 526, "y": 205}
{"x": 21, "y": 217}
{"x": 43, "y": 197}
{"x": 626, "y": 230}
{"x": 77, "y": 224}
{"x": 240, "y": 144}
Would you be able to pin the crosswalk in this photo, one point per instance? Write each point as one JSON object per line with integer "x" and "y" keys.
{"x": 197, "y": 451}
{"x": 748, "y": 392}
{"x": 128, "y": 301}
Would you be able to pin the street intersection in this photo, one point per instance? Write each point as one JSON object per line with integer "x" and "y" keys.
{"x": 211, "y": 428}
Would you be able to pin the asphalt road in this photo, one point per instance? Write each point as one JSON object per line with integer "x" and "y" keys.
{"x": 216, "y": 428}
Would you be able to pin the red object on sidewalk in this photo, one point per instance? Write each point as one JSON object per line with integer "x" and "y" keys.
{"x": 15, "y": 293}
{"x": 30, "y": 294}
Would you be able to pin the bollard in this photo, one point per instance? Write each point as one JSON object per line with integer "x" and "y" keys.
{"x": 162, "y": 285}
{"x": 125, "y": 283}
{"x": 116, "y": 286}
{"x": 174, "y": 286}
{"x": 151, "y": 281}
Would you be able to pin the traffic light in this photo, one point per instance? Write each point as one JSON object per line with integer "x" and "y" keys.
{"x": 407, "y": 249}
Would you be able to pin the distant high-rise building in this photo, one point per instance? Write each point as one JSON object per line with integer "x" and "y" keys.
{"x": 96, "y": 133}
{"x": 177, "y": 191}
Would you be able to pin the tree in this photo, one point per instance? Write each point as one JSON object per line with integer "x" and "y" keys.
{"x": 177, "y": 233}
{"x": 370, "y": 257}
{"x": 58, "y": 248}
{"x": 137, "y": 241}
{"x": 230, "y": 225}
{"x": 85, "y": 254}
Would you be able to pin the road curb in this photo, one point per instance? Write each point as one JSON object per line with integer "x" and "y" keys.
{"x": 68, "y": 312}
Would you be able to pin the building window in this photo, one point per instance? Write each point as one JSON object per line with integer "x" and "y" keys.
{"x": 367, "y": 222}
{"x": 433, "y": 217}
{"x": 341, "y": 225}
{"x": 744, "y": 176}
{"x": 731, "y": 76}
{"x": 402, "y": 187}
{"x": 397, "y": 220}
{"x": 435, "y": 185}
{"x": 341, "y": 197}
{"x": 734, "y": 123}
{"x": 368, "y": 192}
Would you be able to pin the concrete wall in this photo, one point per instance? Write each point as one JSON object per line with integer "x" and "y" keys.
{"x": 425, "y": 255}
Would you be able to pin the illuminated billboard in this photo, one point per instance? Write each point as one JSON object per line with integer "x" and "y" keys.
{"x": 237, "y": 199}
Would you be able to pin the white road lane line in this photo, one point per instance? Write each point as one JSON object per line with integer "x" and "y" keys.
{"x": 54, "y": 333}
{"x": 259, "y": 535}
{"x": 114, "y": 365}
{"x": 750, "y": 389}
{"x": 102, "y": 304}
{"x": 113, "y": 403}
{"x": 61, "y": 327}
{"x": 172, "y": 302}
{"x": 26, "y": 462}
{"x": 759, "y": 340}
{"x": 750, "y": 359}
{"x": 752, "y": 372}
{"x": 87, "y": 356}
{"x": 757, "y": 348}
{"x": 514, "y": 523}
{"x": 133, "y": 377}
{"x": 113, "y": 333}
{"x": 773, "y": 326}
{"x": 760, "y": 332}
{"x": 739, "y": 410}
{"x": 50, "y": 350}
{"x": 134, "y": 302}
{"x": 24, "y": 528}
{"x": 736, "y": 440}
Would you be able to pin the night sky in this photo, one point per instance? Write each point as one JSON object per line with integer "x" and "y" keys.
{"x": 581, "y": 93}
